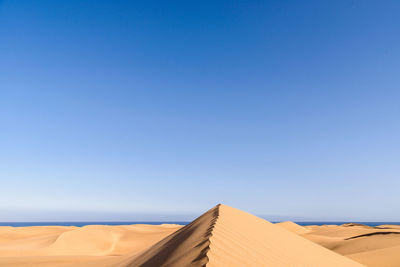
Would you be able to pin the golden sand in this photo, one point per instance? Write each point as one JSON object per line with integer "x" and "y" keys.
{"x": 223, "y": 236}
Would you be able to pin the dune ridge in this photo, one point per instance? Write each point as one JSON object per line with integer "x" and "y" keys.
{"x": 187, "y": 246}
{"x": 225, "y": 236}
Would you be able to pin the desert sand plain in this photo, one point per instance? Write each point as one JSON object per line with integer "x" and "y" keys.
{"x": 223, "y": 236}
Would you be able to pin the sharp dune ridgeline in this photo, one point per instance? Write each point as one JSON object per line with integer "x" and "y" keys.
{"x": 226, "y": 236}
{"x": 222, "y": 236}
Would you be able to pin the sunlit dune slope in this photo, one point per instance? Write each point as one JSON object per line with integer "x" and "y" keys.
{"x": 225, "y": 236}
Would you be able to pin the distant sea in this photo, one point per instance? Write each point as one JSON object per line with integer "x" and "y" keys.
{"x": 343, "y": 222}
{"x": 80, "y": 224}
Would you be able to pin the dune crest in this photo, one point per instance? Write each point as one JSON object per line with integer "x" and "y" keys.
{"x": 187, "y": 246}
{"x": 225, "y": 236}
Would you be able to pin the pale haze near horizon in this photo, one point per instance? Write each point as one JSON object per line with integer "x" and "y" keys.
{"x": 120, "y": 110}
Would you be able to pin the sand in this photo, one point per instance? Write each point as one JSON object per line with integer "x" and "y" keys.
{"x": 372, "y": 246}
{"x": 223, "y": 236}
{"x": 293, "y": 227}
{"x": 63, "y": 246}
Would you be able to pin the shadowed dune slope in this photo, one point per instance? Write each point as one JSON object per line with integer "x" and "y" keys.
{"x": 225, "y": 236}
{"x": 186, "y": 247}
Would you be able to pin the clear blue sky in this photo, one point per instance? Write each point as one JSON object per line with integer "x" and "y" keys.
{"x": 126, "y": 110}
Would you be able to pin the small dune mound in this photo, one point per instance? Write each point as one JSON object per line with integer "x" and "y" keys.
{"x": 225, "y": 236}
{"x": 88, "y": 240}
{"x": 356, "y": 224}
{"x": 373, "y": 234}
{"x": 352, "y": 224}
{"x": 293, "y": 227}
{"x": 388, "y": 226}
{"x": 103, "y": 240}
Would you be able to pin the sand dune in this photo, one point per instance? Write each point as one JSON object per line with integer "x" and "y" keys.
{"x": 388, "y": 226}
{"x": 372, "y": 246}
{"x": 223, "y": 236}
{"x": 62, "y": 246}
{"x": 386, "y": 257}
{"x": 293, "y": 227}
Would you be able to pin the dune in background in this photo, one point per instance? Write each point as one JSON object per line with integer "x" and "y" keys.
{"x": 223, "y": 236}
{"x": 76, "y": 246}
{"x": 293, "y": 227}
{"x": 372, "y": 246}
